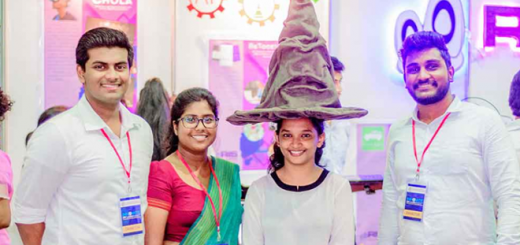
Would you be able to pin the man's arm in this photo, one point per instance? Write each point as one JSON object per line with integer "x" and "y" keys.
{"x": 31, "y": 234}
{"x": 45, "y": 167}
{"x": 504, "y": 176}
{"x": 388, "y": 225}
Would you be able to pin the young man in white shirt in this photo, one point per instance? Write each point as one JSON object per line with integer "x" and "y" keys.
{"x": 86, "y": 170}
{"x": 447, "y": 162}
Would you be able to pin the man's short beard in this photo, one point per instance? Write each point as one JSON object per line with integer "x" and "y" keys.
{"x": 442, "y": 91}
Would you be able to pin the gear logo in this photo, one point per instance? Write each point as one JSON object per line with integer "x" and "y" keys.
{"x": 258, "y": 11}
{"x": 206, "y": 7}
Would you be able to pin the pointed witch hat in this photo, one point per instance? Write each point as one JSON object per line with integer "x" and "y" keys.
{"x": 300, "y": 80}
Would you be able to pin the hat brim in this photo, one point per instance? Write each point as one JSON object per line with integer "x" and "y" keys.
{"x": 275, "y": 114}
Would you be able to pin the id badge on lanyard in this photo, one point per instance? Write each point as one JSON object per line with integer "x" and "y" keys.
{"x": 130, "y": 206}
{"x": 131, "y": 216}
{"x": 416, "y": 191}
{"x": 414, "y": 204}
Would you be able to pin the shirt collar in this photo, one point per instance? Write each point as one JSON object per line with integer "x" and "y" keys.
{"x": 455, "y": 106}
{"x": 92, "y": 121}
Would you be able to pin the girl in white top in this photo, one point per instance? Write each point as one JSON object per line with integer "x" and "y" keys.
{"x": 299, "y": 203}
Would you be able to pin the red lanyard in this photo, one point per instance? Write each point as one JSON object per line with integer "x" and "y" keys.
{"x": 217, "y": 220}
{"x": 427, "y": 146}
{"x": 118, "y": 156}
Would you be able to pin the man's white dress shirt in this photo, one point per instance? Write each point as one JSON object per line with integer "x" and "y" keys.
{"x": 73, "y": 180}
{"x": 514, "y": 131}
{"x": 470, "y": 163}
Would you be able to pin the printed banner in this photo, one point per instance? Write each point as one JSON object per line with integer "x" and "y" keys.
{"x": 65, "y": 22}
{"x": 238, "y": 73}
{"x": 371, "y": 160}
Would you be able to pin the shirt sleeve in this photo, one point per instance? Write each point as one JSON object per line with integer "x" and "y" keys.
{"x": 46, "y": 164}
{"x": 504, "y": 177}
{"x": 160, "y": 186}
{"x": 343, "y": 225}
{"x": 388, "y": 225}
{"x": 253, "y": 233}
{"x": 6, "y": 177}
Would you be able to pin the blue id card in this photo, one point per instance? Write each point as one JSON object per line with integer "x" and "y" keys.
{"x": 131, "y": 216}
{"x": 414, "y": 204}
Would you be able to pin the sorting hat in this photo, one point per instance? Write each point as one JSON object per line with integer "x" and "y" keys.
{"x": 300, "y": 80}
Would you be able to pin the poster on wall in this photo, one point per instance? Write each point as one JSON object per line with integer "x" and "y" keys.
{"x": 64, "y": 23}
{"x": 238, "y": 73}
{"x": 371, "y": 161}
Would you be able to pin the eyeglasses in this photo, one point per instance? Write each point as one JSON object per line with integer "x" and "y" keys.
{"x": 191, "y": 121}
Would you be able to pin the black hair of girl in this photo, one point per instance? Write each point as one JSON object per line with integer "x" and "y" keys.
{"x": 277, "y": 159}
{"x": 154, "y": 108}
{"x": 183, "y": 100}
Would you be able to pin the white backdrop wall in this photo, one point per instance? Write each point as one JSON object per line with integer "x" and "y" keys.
{"x": 155, "y": 35}
{"x": 193, "y": 35}
{"x": 24, "y": 77}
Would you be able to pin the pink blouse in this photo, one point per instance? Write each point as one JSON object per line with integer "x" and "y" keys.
{"x": 166, "y": 190}
{"x": 6, "y": 185}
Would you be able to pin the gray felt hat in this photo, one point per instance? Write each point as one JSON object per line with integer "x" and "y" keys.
{"x": 300, "y": 82}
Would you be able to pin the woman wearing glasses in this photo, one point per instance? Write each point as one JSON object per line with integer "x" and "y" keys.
{"x": 193, "y": 198}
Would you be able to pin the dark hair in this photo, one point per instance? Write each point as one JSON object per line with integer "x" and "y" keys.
{"x": 102, "y": 37}
{"x": 183, "y": 100}
{"x": 277, "y": 159}
{"x": 154, "y": 108}
{"x": 45, "y": 116}
{"x": 50, "y": 113}
{"x": 423, "y": 40}
{"x": 338, "y": 66}
{"x": 5, "y": 104}
{"x": 514, "y": 95}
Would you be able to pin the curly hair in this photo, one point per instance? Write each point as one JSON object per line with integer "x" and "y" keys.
{"x": 5, "y": 104}
{"x": 278, "y": 160}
